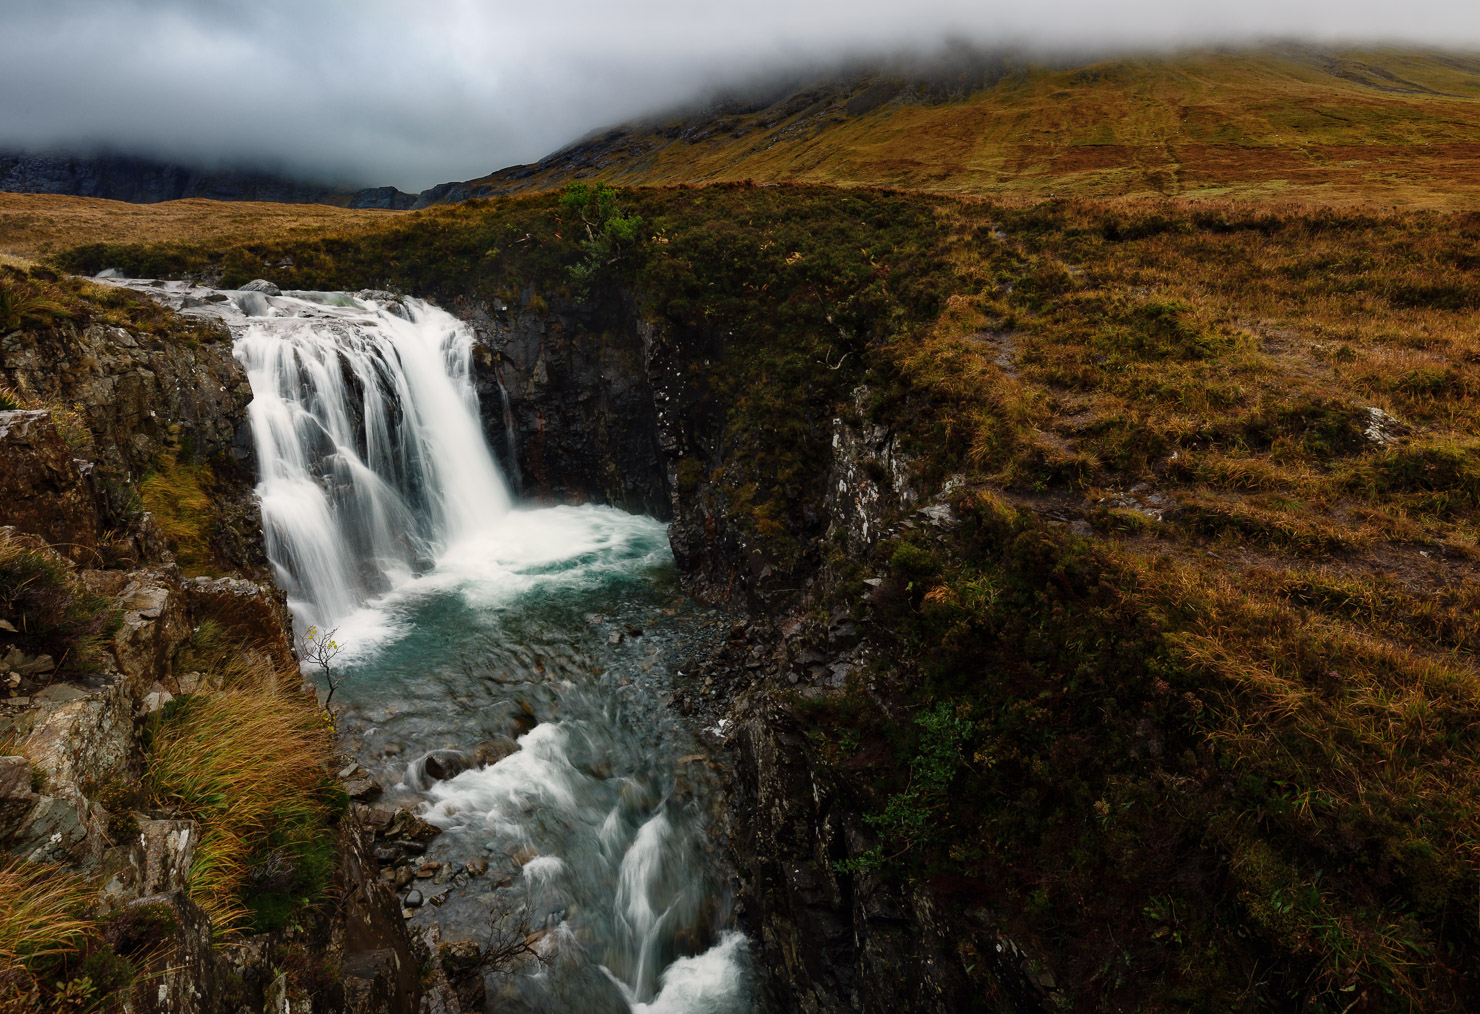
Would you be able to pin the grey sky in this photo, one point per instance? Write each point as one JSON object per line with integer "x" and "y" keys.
{"x": 417, "y": 92}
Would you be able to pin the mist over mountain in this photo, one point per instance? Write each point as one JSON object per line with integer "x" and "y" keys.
{"x": 375, "y": 94}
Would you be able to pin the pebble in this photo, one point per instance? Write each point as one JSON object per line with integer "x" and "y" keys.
{"x": 413, "y": 900}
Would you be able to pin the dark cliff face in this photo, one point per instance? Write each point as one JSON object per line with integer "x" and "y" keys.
{"x": 568, "y": 405}
{"x": 149, "y": 181}
{"x": 603, "y": 405}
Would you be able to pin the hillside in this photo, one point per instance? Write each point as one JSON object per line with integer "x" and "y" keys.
{"x": 1151, "y": 587}
{"x": 1286, "y": 124}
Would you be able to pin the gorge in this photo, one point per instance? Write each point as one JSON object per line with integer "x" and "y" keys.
{"x": 1017, "y": 555}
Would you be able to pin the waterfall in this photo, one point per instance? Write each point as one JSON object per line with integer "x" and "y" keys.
{"x": 385, "y": 515}
{"x": 509, "y": 440}
{"x": 371, "y": 457}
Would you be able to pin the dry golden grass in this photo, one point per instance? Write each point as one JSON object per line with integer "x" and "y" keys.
{"x": 1343, "y": 128}
{"x": 249, "y": 763}
{"x": 34, "y": 225}
{"x": 42, "y": 916}
{"x": 176, "y": 495}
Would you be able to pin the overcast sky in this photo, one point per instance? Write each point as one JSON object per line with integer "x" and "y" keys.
{"x": 418, "y": 92}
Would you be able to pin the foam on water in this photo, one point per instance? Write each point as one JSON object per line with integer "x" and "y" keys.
{"x": 708, "y": 983}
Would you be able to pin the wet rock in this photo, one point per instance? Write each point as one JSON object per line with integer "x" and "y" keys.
{"x": 413, "y": 899}
{"x": 428, "y": 870}
{"x": 462, "y": 963}
{"x": 444, "y": 764}
{"x": 379, "y": 966}
{"x": 362, "y": 788}
{"x": 477, "y": 867}
{"x": 404, "y": 876}
{"x": 407, "y": 826}
{"x": 263, "y": 286}
{"x": 524, "y": 718}
{"x": 494, "y": 751}
{"x": 376, "y": 818}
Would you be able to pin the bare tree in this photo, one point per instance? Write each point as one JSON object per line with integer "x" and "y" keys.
{"x": 320, "y": 649}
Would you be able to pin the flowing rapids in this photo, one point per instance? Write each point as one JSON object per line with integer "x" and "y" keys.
{"x": 510, "y": 665}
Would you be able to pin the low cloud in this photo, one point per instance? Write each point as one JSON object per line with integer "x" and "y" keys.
{"x": 374, "y": 92}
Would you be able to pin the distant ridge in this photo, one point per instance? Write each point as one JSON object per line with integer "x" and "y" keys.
{"x": 1286, "y": 122}
{"x": 149, "y": 181}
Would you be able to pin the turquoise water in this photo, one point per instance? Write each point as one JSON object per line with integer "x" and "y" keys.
{"x": 542, "y": 659}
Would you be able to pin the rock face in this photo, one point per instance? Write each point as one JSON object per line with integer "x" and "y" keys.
{"x": 834, "y": 941}
{"x": 618, "y": 409}
{"x": 48, "y": 493}
{"x": 137, "y": 395}
{"x": 125, "y": 401}
{"x": 75, "y": 752}
{"x": 568, "y": 406}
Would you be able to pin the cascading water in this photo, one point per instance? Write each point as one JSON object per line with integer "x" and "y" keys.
{"x": 372, "y": 461}
{"x": 529, "y": 651}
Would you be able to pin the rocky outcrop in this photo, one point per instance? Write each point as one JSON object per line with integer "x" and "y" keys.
{"x": 75, "y": 750}
{"x": 568, "y": 406}
{"x": 48, "y": 493}
{"x": 834, "y": 941}
{"x": 120, "y": 402}
{"x": 619, "y": 409}
{"x": 137, "y": 395}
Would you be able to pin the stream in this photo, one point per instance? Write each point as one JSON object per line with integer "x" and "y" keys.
{"x": 509, "y": 666}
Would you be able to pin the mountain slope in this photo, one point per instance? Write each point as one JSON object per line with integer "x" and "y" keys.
{"x": 1287, "y": 124}
{"x": 150, "y": 181}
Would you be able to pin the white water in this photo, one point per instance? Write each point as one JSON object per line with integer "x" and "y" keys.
{"x": 381, "y": 503}
{"x": 372, "y": 460}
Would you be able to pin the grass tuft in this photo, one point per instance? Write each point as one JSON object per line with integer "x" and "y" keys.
{"x": 250, "y": 764}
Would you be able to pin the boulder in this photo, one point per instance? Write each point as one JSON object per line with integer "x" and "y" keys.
{"x": 444, "y": 764}
{"x": 162, "y": 854}
{"x": 154, "y": 624}
{"x": 81, "y": 736}
{"x": 263, "y": 286}
{"x": 256, "y": 614}
{"x": 462, "y": 963}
